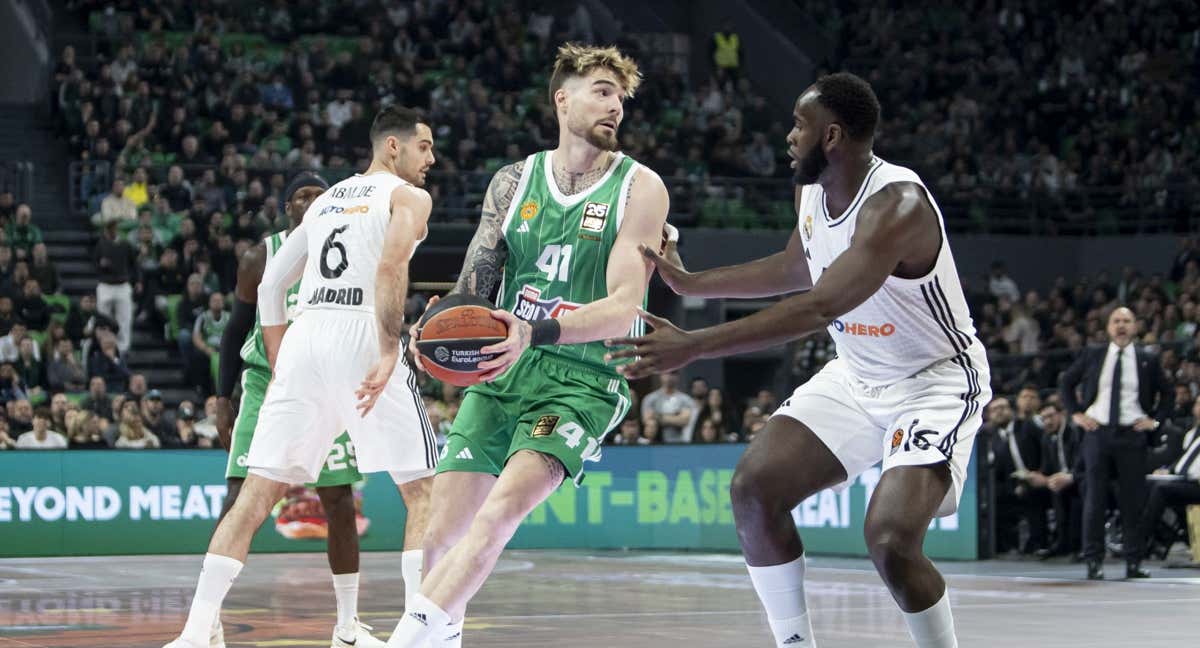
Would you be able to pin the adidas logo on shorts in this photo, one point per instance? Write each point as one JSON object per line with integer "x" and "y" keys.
{"x": 465, "y": 453}
{"x": 419, "y": 617}
{"x": 796, "y": 638}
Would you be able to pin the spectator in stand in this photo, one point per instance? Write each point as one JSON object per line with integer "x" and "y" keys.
{"x": 20, "y": 413}
{"x": 1061, "y": 458}
{"x": 131, "y": 432}
{"x": 84, "y": 432}
{"x": 7, "y": 317}
{"x": 138, "y": 387}
{"x": 1181, "y": 408}
{"x": 1029, "y": 403}
{"x": 6, "y": 441}
{"x": 41, "y": 437}
{"x": 187, "y": 429}
{"x": 97, "y": 400}
{"x": 1015, "y": 457}
{"x": 177, "y": 190}
{"x": 719, "y": 412}
{"x": 79, "y": 318}
{"x": 191, "y": 305}
{"x": 44, "y": 270}
{"x": 106, "y": 363}
{"x": 1000, "y": 285}
{"x": 30, "y": 370}
{"x": 21, "y": 233}
{"x": 10, "y": 345}
{"x": 11, "y": 387}
{"x": 59, "y": 406}
{"x": 630, "y": 432}
{"x": 670, "y": 408}
{"x": 206, "y": 337}
{"x": 116, "y": 261}
{"x": 7, "y": 207}
{"x": 7, "y": 261}
{"x": 115, "y": 207}
{"x": 33, "y": 309}
{"x": 155, "y": 421}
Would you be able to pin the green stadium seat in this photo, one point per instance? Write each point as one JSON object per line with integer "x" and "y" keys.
{"x": 171, "y": 328}
{"x": 60, "y": 305}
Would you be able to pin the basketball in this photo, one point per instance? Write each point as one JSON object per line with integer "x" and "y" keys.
{"x": 450, "y": 335}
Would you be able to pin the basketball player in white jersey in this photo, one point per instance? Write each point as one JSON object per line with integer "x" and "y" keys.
{"x": 872, "y": 265}
{"x": 351, "y": 256}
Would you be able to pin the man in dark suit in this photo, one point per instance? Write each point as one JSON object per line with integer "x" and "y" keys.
{"x": 1115, "y": 393}
{"x": 1063, "y": 466}
{"x": 1177, "y": 480}
{"x": 1014, "y": 454}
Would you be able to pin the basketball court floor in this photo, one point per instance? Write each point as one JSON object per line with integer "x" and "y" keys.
{"x": 591, "y": 600}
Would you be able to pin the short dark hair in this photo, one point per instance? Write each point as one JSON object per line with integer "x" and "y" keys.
{"x": 395, "y": 120}
{"x": 850, "y": 98}
{"x": 42, "y": 413}
{"x": 1052, "y": 404}
{"x": 1032, "y": 386}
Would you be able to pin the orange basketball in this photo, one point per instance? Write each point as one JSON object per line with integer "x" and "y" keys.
{"x": 450, "y": 335}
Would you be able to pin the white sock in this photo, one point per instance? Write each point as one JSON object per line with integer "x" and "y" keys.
{"x": 781, "y": 590}
{"x": 451, "y": 637}
{"x": 345, "y": 588}
{"x": 418, "y": 623}
{"x": 933, "y": 628}
{"x": 216, "y": 577}
{"x": 410, "y": 570}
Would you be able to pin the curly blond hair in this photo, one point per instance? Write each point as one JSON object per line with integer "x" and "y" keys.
{"x": 575, "y": 60}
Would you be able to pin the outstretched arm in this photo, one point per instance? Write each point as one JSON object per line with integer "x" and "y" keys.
{"x": 778, "y": 274}
{"x": 890, "y": 226}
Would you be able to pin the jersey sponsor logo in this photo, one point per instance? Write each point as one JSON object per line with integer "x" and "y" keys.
{"x": 529, "y": 209}
{"x": 530, "y": 306}
{"x": 334, "y": 209}
{"x": 544, "y": 426}
{"x": 338, "y": 296}
{"x": 865, "y": 330}
{"x": 594, "y": 216}
{"x": 808, "y": 220}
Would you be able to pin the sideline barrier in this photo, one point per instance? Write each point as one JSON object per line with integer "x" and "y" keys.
{"x": 112, "y": 502}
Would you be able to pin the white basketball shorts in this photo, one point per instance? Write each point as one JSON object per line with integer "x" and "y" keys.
{"x": 930, "y": 417}
{"x": 324, "y": 358}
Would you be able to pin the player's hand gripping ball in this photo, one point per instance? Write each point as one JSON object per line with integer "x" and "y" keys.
{"x": 450, "y": 335}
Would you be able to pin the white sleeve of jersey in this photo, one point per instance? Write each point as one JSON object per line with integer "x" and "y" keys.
{"x": 282, "y": 272}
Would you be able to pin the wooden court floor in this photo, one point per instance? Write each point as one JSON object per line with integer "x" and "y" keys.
{"x": 591, "y": 600}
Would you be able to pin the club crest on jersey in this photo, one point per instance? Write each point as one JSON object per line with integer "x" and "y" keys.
{"x": 528, "y": 210}
{"x": 594, "y": 216}
{"x": 544, "y": 426}
{"x": 808, "y": 227}
{"x": 531, "y": 307}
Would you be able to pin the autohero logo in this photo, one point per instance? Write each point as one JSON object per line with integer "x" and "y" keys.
{"x": 865, "y": 330}
{"x": 335, "y": 209}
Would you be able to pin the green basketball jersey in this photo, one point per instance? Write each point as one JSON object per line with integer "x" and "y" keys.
{"x": 254, "y": 352}
{"x": 558, "y": 247}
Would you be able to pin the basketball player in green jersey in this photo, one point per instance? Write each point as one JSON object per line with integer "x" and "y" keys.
{"x": 557, "y": 247}
{"x": 243, "y": 341}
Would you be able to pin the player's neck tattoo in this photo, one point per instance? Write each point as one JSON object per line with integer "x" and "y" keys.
{"x": 570, "y": 182}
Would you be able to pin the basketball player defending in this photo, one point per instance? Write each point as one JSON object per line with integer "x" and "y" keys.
{"x": 243, "y": 341}
{"x": 353, "y": 249}
{"x": 558, "y": 239}
{"x": 871, "y": 260}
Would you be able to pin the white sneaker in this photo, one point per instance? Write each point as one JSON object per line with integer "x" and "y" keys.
{"x": 182, "y": 643}
{"x": 362, "y": 637}
{"x": 216, "y": 638}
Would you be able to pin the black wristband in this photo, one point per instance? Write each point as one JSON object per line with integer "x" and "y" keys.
{"x": 545, "y": 331}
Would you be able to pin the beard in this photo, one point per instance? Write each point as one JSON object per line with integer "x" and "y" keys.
{"x": 601, "y": 140}
{"x": 810, "y": 167}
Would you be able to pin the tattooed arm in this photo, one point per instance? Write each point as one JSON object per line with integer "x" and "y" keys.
{"x": 484, "y": 264}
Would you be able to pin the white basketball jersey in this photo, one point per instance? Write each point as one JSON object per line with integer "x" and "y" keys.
{"x": 908, "y": 324}
{"x": 346, "y": 227}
